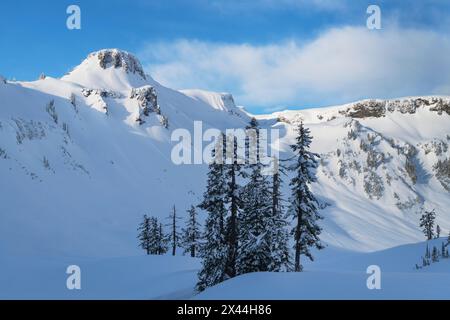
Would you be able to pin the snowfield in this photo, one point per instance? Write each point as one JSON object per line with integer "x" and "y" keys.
{"x": 83, "y": 157}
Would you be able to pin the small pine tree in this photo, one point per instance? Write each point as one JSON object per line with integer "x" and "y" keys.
{"x": 303, "y": 204}
{"x": 145, "y": 234}
{"x": 427, "y": 223}
{"x": 438, "y": 231}
{"x": 443, "y": 250}
{"x": 162, "y": 241}
{"x": 425, "y": 262}
{"x": 174, "y": 237}
{"x": 191, "y": 234}
{"x": 435, "y": 254}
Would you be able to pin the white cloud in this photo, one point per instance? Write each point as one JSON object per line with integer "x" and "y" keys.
{"x": 341, "y": 65}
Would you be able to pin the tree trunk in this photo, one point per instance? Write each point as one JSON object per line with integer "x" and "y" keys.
{"x": 297, "y": 266}
{"x": 233, "y": 226}
{"x": 174, "y": 233}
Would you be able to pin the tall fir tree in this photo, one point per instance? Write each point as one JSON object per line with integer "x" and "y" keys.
{"x": 427, "y": 223}
{"x": 214, "y": 251}
{"x": 233, "y": 191}
{"x": 255, "y": 225}
{"x": 174, "y": 237}
{"x": 279, "y": 238}
{"x": 303, "y": 206}
{"x": 262, "y": 244}
{"x": 191, "y": 233}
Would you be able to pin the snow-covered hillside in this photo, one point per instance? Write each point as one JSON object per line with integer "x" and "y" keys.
{"x": 83, "y": 157}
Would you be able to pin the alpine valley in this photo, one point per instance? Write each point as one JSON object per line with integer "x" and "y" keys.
{"x": 83, "y": 157}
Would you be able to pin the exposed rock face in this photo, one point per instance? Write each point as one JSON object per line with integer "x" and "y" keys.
{"x": 442, "y": 170}
{"x": 99, "y": 96}
{"x": 120, "y": 59}
{"x": 378, "y": 108}
{"x": 368, "y": 160}
{"x": 367, "y": 109}
{"x": 147, "y": 101}
{"x": 101, "y": 93}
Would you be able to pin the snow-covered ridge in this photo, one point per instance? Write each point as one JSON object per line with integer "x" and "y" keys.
{"x": 218, "y": 100}
{"x": 370, "y": 108}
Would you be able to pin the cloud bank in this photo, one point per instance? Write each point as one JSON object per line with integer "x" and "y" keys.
{"x": 340, "y": 65}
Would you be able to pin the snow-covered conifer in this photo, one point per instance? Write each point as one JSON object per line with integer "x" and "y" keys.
{"x": 214, "y": 250}
{"x": 144, "y": 235}
{"x": 191, "y": 234}
{"x": 280, "y": 255}
{"x": 255, "y": 225}
{"x": 427, "y": 223}
{"x": 435, "y": 254}
{"x": 233, "y": 191}
{"x": 303, "y": 206}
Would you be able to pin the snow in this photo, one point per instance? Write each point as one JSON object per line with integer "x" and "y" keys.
{"x": 106, "y": 171}
{"x": 343, "y": 275}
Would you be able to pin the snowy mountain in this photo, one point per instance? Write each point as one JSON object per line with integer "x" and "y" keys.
{"x": 83, "y": 157}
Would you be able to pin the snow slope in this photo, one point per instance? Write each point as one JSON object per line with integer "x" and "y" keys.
{"x": 83, "y": 157}
{"x": 343, "y": 275}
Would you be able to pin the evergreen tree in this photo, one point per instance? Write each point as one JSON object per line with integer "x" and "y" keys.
{"x": 153, "y": 232}
{"x": 443, "y": 251}
{"x": 151, "y": 236}
{"x": 279, "y": 237}
{"x": 144, "y": 235}
{"x": 174, "y": 237}
{"x": 255, "y": 221}
{"x": 233, "y": 191}
{"x": 162, "y": 240}
{"x": 214, "y": 250}
{"x": 191, "y": 234}
{"x": 425, "y": 262}
{"x": 438, "y": 231}
{"x": 303, "y": 204}
{"x": 427, "y": 223}
{"x": 435, "y": 254}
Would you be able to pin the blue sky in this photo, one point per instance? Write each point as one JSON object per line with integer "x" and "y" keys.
{"x": 270, "y": 54}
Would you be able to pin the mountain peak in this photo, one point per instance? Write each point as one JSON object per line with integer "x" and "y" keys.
{"x": 109, "y": 68}
{"x": 115, "y": 58}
